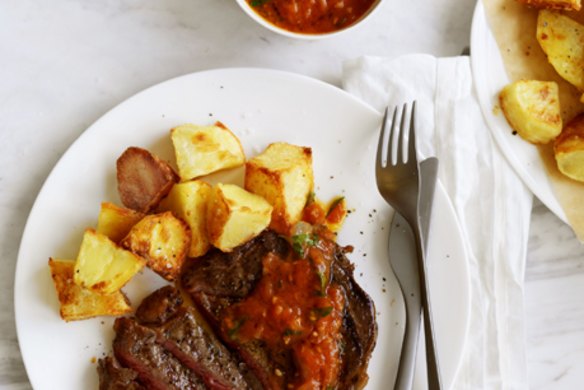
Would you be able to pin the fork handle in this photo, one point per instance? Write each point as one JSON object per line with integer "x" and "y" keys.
{"x": 407, "y": 361}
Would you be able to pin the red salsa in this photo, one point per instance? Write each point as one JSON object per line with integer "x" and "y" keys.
{"x": 314, "y": 213}
{"x": 311, "y": 16}
{"x": 294, "y": 307}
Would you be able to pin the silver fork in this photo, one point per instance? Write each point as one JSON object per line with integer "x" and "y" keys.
{"x": 398, "y": 181}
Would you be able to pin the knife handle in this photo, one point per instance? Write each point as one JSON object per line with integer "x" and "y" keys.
{"x": 433, "y": 370}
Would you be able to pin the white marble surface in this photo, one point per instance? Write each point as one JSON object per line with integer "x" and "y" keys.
{"x": 64, "y": 63}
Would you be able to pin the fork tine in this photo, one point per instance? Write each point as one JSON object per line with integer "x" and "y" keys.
{"x": 402, "y": 135}
{"x": 380, "y": 156}
{"x": 392, "y": 139}
{"x": 412, "y": 135}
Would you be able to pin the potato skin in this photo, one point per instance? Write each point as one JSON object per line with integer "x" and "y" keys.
{"x": 163, "y": 240}
{"x": 77, "y": 303}
{"x": 282, "y": 174}
{"x": 143, "y": 179}
{"x": 235, "y": 216}
{"x": 569, "y": 149}
{"x": 532, "y": 108}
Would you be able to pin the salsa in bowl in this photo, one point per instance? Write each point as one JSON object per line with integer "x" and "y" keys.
{"x": 308, "y": 18}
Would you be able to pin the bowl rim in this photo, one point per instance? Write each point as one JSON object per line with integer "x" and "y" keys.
{"x": 247, "y": 8}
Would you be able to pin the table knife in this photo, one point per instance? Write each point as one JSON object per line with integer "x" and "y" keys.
{"x": 402, "y": 248}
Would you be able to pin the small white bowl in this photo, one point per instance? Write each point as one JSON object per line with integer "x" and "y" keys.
{"x": 307, "y": 36}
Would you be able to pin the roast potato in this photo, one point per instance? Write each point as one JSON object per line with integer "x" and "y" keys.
{"x": 188, "y": 201}
{"x": 163, "y": 240}
{"x": 201, "y": 150}
{"x": 532, "y": 108}
{"x": 569, "y": 149}
{"x": 77, "y": 303}
{"x": 115, "y": 222}
{"x": 235, "y": 216}
{"x": 282, "y": 174}
{"x": 562, "y": 40}
{"x": 143, "y": 179}
{"x": 102, "y": 266}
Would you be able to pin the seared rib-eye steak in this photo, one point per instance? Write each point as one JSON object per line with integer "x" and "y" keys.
{"x": 115, "y": 377}
{"x": 220, "y": 280}
{"x": 136, "y": 347}
{"x": 165, "y": 346}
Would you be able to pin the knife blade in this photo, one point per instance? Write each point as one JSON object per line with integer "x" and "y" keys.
{"x": 427, "y": 180}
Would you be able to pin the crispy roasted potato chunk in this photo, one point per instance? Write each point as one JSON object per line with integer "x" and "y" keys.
{"x": 102, "y": 266}
{"x": 201, "y": 150}
{"x": 143, "y": 179}
{"x": 569, "y": 149}
{"x": 532, "y": 108}
{"x": 188, "y": 201}
{"x": 115, "y": 221}
{"x": 162, "y": 239}
{"x": 562, "y": 40}
{"x": 235, "y": 216}
{"x": 560, "y": 5}
{"x": 77, "y": 303}
{"x": 282, "y": 174}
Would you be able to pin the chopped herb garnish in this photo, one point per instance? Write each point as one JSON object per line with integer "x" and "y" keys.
{"x": 292, "y": 332}
{"x": 323, "y": 283}
{"x": 301, "y": 241}
{"x": 322, "y": 311}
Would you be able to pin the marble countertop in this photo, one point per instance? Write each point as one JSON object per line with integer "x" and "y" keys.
{"x": 64, "y": 63}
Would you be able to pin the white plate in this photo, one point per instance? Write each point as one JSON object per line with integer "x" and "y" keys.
{"x": 490, "y": 77}
{"x": 260, "y": 106}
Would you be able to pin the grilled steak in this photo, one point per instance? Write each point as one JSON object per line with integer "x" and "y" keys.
{"x": 112, "y": 376}
{"x": 159, "y": 307}
{"x": 360, "y": 328}
{"x": 219, "y": 280}
{"x": 166, "y": 347}
{"x": 200, "y": 351}
{"x": 136, "y": 347}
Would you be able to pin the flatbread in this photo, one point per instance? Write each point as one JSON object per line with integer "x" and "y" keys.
{"x": 514, "y": 27}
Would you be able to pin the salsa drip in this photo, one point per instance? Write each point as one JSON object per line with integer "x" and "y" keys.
{"x": 311, "y": 16}
{"x": 294, "y": 306}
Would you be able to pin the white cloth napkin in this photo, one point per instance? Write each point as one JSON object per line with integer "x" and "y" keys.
{"x": 492, "y": 204}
